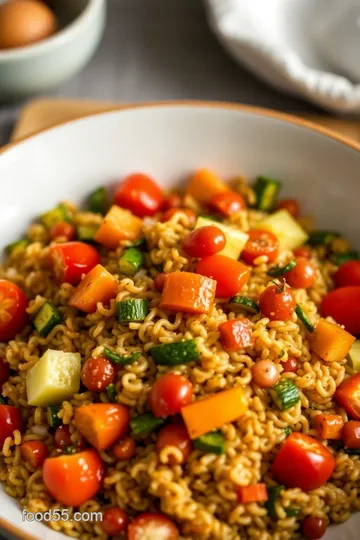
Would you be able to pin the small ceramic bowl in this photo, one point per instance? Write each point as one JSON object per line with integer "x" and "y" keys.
{"x": 40, "y": 67}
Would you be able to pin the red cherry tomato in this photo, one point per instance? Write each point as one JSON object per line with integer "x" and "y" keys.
{"x": 175, "y": 435}
{"x": 152, "y": 525}
{"x": 71, "y": 260}
{"x": 351, "y": 434}
{"x": 34, "y": 452}
{"x": 348, "y": 274}
{"x": 277, "y": 303}
{"x": 140, "y": 194}
{"x": 124, "y": 450}
{"x": 314, "y": 527}
{"x": 260, "y": 243}
{"x": 344, "y": 306}
{"x": 173, "y": 200}
{"x": 63, "y": 230}
{"x": 10, "y": 420}
{"x": 190, "y": 214}
{"x": 303, "y": 462}
{"x": 73, "y": 479}
{"x": 348, "y": 395}
{"x": 97, "y": 374}
{"x": 169, "y": 394}
{"x": 204, "y": 241}
{"x": 302, "y": 276}
{"x": 4, "y": 372}
{"x": 229, "y": 274}
{"x": 228, "y": 202}
{"x": 62, "y": 438}
{"x": 13, "y": 304}
{"x": 159, "y": 281}
{"x": 291, "y": 365}
{"x": 236, "y": 334}
{"x": 303, "y": 251}
{"x": 291, "y": 205}
{"x": 114, "y": 521}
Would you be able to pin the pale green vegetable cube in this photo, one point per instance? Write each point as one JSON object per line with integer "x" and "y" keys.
{"x": 354, "y": 356}
{"x": 54, "y": 378}
{"x": 285, "y": 228}
{"x": 235, "y": 239}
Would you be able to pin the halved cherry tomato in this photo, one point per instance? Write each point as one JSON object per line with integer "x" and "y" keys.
{"x": 190, "y": 214}
{"x": 173, "y": 200}
{"x": 314, "y": 527}
{"x": 227, "y": 203}
{"x": 63, "y": 230}
{"x": 236, "y": 334}
{"x": 13, "y": 304}
{"x": 204, "y": 241}
{"x": 348, "y": 395}
{"x": 10, "y": 420}
{"x": 265, "y": 374}
{"x": 291, "y": 205}
{"x": 71, "y": 260}
{"x": 348, "y": 274}
{"x": 159, "y": 281}
{"x": 303, "y": 462}
{"x": 4, "y": 372}
{"x": 169, "y": 394}
{"x": 229, "y": 274}
{"x": 124, "y": 450}
{"x": 152, "y": 526}
{"x": 175, "y": 435}
{"x": 303, "y": 251}
{"x": 97, "y": 374}
{"x": 62, "y": 437}
{"x": 260, "y": 243}
{"x": 351, "y": 434}
{"x": 114, "y": 521}
{"x": 277, "y": 302}
{"x": 73, "y": 479}
{"x": 140, "y": 194}
{"x": 344, "y": 306}
{"x": 291, "y": 365}
{"x": 34, "y": 452}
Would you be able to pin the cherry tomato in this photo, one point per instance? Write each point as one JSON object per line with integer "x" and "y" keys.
{"x": 63, "y": 230}
{"x": 236, "y": 334}
{"x": 227, "y": 203}
{"x": 4, "y": 372}
{"x": 169, "y": 394}
{"x": 151, "y": 526}
{"x": 303, "y": 462}
{"x": 159, "y": 281}
{"x": 140, "y": 194}
{"x": 260, "y": 243}
{"x": 175, "y": 435}
{"x": 34, "y": 452}
{"x": 314, "y": 527}
{"x": 190, "y": 214}
{"x": 291, "y": 205}
{"x": 302, "y": 276}
{"x": 204, "y": 241}
{"x": 124, "y": 450}
{"x": 344, "y": 306}
{"x": 265, "y": 374}
{"x": 303, "y": 251}
{"x": 348, "y": 395}
{"x": 229, "y": 274}
{"x": 277, "y": 303}
{"x": 97, "y": 374}
{"x": 291, "y": 365}
{"x": 13, "y": 304}
{"x": 73, "y": 479}
{"x": 173, "y": 200}
{"x": 348, "y": 274}
{"x": 10, "y": 420}
{"x": 114, "y": 521}
{"x": 351, "y": 434}
{"x": 71, "y": 260}
{"x": 62, "y": 437}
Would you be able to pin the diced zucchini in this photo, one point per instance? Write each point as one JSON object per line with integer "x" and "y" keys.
{"x": 2, "y": 400}
{"x": 211, "y": 217}
{"x": 292, "y": 511}
{"x": 19, "y": 244}
{"x": 131, "y": 261}
{"x": 352, "y": 451}
{"x": 273, "y": 495}
{"x": 99, "y": 201}
{"x": 266, "y": 191}
{"x": 132, "y": 310}
{"x": 304, "y": 318}
{"x": 46, "y": 319}
{"x": 322, "y": 238}
{"x": 285, "y": 228}
{"x": 277, "y": 271}
{"x": 54, "y": 378}
{"x": 354, "y": 356}
{"x": 247, "y": 304}
{"x": 174, "y": 354}
{"x": 111, "y": 391}
{"x": 285, "y": 394}
{"x": 235, "y": 239}
{"x": 213, "y": 442}
{"x": 86, "y": 233}
{"x": 145, "y": 423}
{"x": 56, "y": 215}
{"x": 287, "y": 431}
{"x": 341, "y": 258}
{"x": 52, "y": 416}
{"x": 121, "y": 359}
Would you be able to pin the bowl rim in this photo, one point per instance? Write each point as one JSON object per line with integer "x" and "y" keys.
{"x": 59, "y": 38}
{"x": 249, "y": 109}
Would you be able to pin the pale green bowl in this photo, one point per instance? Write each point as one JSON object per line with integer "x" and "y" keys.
{"x": 41, "y": 67}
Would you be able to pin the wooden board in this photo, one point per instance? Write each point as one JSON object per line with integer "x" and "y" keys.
{"x": 44, "y": 113}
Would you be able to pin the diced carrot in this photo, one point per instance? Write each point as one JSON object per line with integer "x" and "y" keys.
{"x": 331, "y": 342}
{"x": 236, "y": 334}
{"x": 97, "y": 286}
{"x": 188, "y": 292}
{"x": 254, "y": 493}
{"x": 213, "y": 412}
{"x": 329, "y": 426}
{"x": 118, "y": 224}
{"x": 204, "y": 185}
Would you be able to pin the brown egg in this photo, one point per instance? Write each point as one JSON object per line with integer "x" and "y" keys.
{"x": 23, "y": 22}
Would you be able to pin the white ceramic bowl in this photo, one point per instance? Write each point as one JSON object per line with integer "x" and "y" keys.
{"x": 169, "y": 141}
